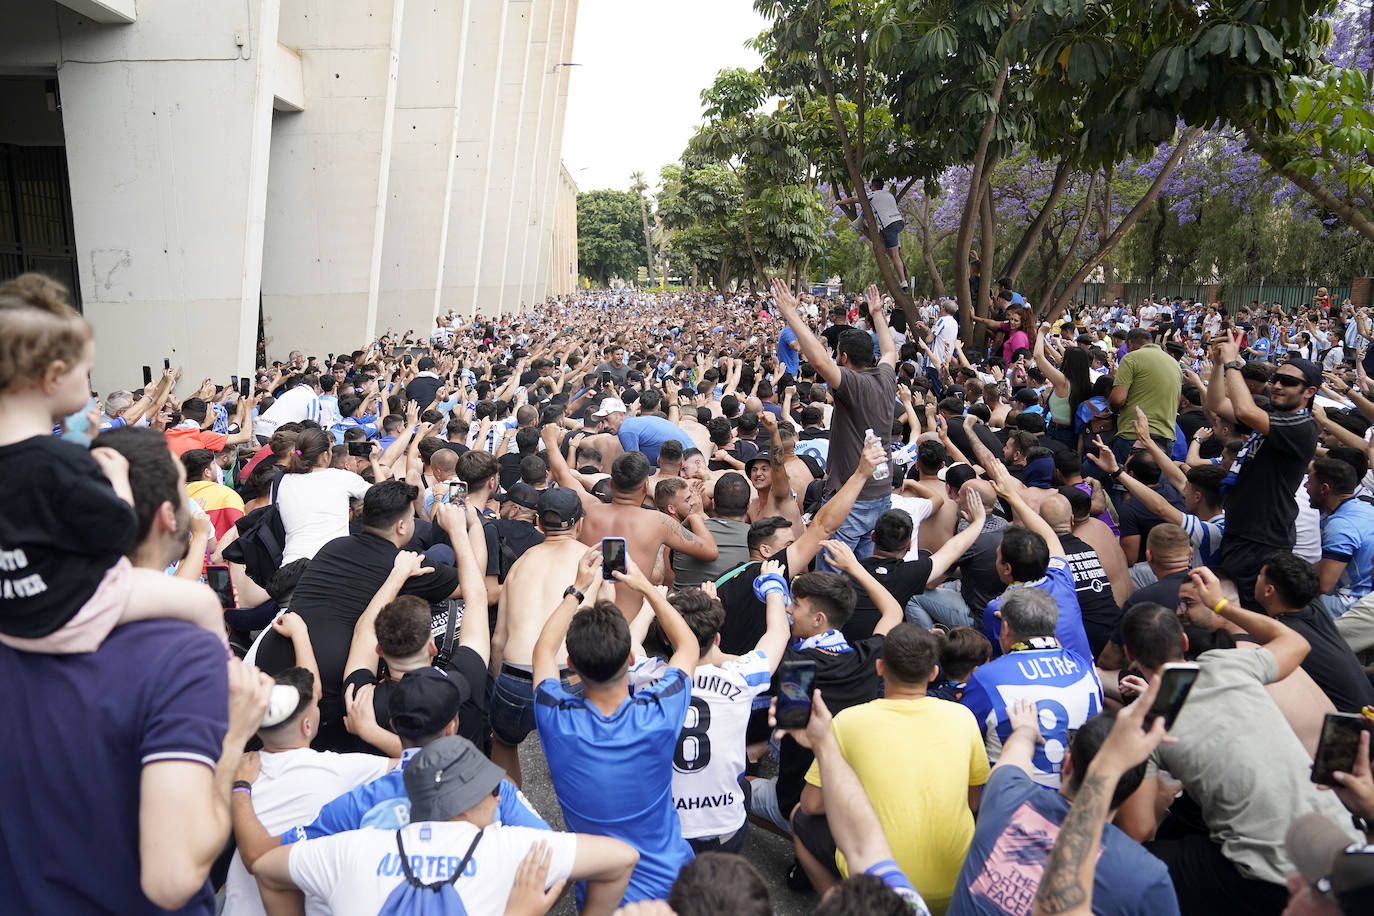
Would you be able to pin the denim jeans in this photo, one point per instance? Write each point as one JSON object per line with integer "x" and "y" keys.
{"x": 763, "y": 802}
{"x": 857, "y": 527}
{"x": 939, "y": 605}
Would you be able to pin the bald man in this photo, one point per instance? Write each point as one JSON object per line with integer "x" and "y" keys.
{"x": 1101, "y": 614}
{"x": 977, "y": 566}
{"x": 443, "y": 470}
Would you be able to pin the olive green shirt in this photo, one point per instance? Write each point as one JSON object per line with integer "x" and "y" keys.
{"x": 1153, "y": 382}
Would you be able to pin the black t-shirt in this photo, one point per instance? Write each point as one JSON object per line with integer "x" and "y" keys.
{"x": 519, "y": 536}
{"x": 1190, "y": 422}
{"x": 1260, "y": 506}
{"x": 1330, "y": 662}
{"x": 901, "y": 578}
{"x": 832, "y": 335}
{"x": 978, "y": 579}
{"x": 844, "y": 679}
{"x": 958, "y": 434}
{"x": 472, "y": 715}
{"x": 746, "y": 618}
{"x": 740, "y": 450}
{"x": 510, "y": 469}
{"x": 332, "y": 594}
{"x": 1095, "y": 600}
{"x": 61, "y": 528}
{"x": 1134, "y": 518}
{"x": 423, "y": 388}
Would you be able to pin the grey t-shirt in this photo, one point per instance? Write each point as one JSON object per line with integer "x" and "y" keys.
{"x": 865, "y": 399}
{"x": 1239, "y": 759}
{"x": 732, "y": 539}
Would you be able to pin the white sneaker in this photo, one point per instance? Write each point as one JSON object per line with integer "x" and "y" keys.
{"x": 280, "y": 705}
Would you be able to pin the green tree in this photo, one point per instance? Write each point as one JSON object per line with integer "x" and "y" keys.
{"x": 609, "y": 243}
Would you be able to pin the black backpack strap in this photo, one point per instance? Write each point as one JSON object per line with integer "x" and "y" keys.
{"x": 457, "y": 872}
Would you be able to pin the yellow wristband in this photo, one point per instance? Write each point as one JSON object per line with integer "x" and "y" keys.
{"x": 1216, "y": 608}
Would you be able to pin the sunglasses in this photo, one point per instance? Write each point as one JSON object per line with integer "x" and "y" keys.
{"x": 1289, "y": 381}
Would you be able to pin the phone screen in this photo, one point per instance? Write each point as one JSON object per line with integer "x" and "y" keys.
{"x": 457, "y": 491}
{"x": 612, "y": 557}
{"x": 218, "y": 578}
{"x": 234, "y": 382}
{"x": 359, "y": 449}
{"x": 797, "y": 679}
{"x": 1337, "y": 747}
{"x": 147, "y": 375}
{"x": 166, "y": 362}
{"x": 1175, "y": 682}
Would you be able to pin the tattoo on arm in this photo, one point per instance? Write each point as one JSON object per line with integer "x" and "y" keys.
{"x": 1062, "y": 886}
{"x": 678, "y": 528}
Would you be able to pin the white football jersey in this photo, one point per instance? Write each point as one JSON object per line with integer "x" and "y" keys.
{"x": 709, "y": 759}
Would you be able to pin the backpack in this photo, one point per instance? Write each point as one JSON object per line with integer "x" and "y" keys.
{"x": 412, "y": 897}
{"x": 261, "y": 541}
{"x": 506, "y": 554}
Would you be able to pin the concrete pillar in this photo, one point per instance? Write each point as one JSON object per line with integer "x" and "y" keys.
{"x": 428, "y": 87}
{"x": 540, "y": 67}
{"x": 503, "y": 172}
{"x": 541, "y": 272}
{"x": 483, "y": 57}
{"x": 330, "y": 165}
{"x": 167, "y": 135}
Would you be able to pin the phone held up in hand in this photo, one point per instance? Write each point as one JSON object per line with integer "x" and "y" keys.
{"x": 612, "y": 557}
{"x": 1337, "y": 747}
{"x": 1176, "y": 680}
{"x": 797, "y": 679}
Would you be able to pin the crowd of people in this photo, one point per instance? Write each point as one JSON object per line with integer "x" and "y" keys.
{"x": 284, "y": 639}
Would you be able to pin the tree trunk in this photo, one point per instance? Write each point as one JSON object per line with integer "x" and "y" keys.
{"x": 964, "y": 243}
{"x": 1053, "y": 304}
{"x": 987, "y": 236}
{"x": 927, "y": 248}
{"x": 1023, "y": 248}
{"x": 648, "y": 244}
{"x": 1077, "y": 237}
{"x": 1348, "y": 213}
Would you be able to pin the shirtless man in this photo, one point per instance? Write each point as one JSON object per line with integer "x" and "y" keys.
{"x": 646, "y": 531}
{"x": 533, "y": 588}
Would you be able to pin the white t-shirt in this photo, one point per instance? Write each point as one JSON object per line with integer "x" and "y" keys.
{"x": 920, "y": 509}
{"x": 300, "y": 403}
{"x": 710, "y": 759}
{"x": 943, "y": 336}
{"x": 314, "y": 509}
{"x": 291, "y": 789}
{"x": 354, "y": 873}
{"x": 884, "y": 207}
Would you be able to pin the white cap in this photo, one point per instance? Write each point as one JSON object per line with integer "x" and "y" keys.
{"x": 610, "y": 406}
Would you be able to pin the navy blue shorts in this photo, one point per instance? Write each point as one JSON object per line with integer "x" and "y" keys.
{"x": 891, "y": 232}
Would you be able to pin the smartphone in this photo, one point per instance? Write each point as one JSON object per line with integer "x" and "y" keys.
{"x": 331, "y": 359}
{"x": 797, "y": 679}
{"x": 223, "y": 585}
{"x": 359, "y": 449}
{"x": 612, "y": 557}
{"x": 605, "y": 378}
{"x": 166, "y": 362}
{"x": 234, "y": 382}
{"x": 245, "y": 388}
{"x": 1176, "y": 680}
{"x": 147, "y": 376}
{"x": 457, "y": 491}
{"x": 1337, "y": 746}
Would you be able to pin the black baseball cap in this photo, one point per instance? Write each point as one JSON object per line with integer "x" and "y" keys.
{"x": 559, "y": 507}
{"x": 424, "y": 702}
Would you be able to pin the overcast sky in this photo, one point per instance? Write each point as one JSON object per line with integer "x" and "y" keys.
{"x": 635, "y": 100}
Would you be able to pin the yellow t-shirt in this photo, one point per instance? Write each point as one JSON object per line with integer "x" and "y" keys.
{"x": 916, "y": 760}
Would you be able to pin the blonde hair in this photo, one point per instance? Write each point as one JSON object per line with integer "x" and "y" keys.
{"x": 37, "y": 329}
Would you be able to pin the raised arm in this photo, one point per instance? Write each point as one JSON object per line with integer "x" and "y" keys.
{"x": 1008, "y": 489}
{"x": 831, "y": 516}
{"x": 811, "y": 348}
{"x": 839, "y": 555}
{"x": 1287, "y": 645}
{"x": 686, "y": 650}
{"x": 362, "y": 652}
{"x": 950, "y": 551}
{"x": 1238, "y": 398}
{"x": 1150, "y": 499}
{"x": 475, "y": 631}
{"x": 1051, "y": 372}
{"x": 558, "y": 466}
{"x": 887, "y": 351}
{"x": 778, "y": 633}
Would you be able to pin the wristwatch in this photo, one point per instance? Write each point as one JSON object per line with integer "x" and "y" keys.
{"x": 572, "y": 590}
{"x": 1234, "y": 364}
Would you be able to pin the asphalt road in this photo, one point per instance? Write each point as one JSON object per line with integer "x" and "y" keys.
{"x": 770, "y": 853}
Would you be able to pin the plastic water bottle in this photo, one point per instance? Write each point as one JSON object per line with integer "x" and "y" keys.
{"x": 884, "y": 470}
